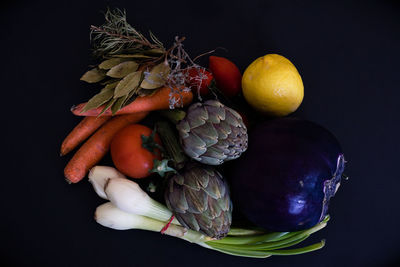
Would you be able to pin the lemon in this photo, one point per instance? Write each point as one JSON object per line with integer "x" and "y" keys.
{"x": 272, "y": 85}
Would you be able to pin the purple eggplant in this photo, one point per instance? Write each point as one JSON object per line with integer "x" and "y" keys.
{"x": 287, "y": 176}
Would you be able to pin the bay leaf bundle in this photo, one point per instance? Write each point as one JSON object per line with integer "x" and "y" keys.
{"x": 156, "y": 77}
{"x": 123, "y": 81}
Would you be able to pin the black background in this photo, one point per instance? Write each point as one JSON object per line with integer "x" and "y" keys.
{"x": 348, "y": 56}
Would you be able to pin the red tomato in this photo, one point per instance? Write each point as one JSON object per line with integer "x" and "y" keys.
{"x": 226, "y": 74}
{"x": 129, "y": 156}
{"x": 199, "y": 78}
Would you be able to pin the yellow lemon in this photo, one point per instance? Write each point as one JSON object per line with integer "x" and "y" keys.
{"x": 272, "y": 85}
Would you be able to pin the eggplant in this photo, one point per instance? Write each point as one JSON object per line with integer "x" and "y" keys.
{"x": 287, "y": 176}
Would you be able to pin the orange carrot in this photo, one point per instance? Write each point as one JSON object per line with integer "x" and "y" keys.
{"x": 157, "y": 101}
{"x": 94, "y": 149}
{"x": 83, "y": 130}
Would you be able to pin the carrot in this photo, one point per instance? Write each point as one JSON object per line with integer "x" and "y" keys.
{"x": 83, "y": 130}
{"x": 94, "y": 149}
{"x": 157, "y": 101}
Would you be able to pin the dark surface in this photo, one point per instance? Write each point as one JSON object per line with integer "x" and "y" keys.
{"x": 347, "y": 54}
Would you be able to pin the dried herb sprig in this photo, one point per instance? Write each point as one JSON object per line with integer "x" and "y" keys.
{"x": 136, "y": 65}
{"x": 117, "y": 36}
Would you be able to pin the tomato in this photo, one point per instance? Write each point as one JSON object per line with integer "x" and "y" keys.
{"x": 226, "y": 75}
{"x": 199, "y": 78}
{"x": 129, "y": 156}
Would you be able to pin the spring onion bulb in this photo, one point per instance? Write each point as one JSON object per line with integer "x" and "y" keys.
{"x": 98, "y": 177}
{"x": 110, "y": 216}
{"x": 129, "y": 197}
{"x": 131, "y": 208}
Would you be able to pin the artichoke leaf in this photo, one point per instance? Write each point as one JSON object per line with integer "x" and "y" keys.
{"x": 179, "y": 179}
{"x": 189, "y": 221}
{"x": 191, "y": 181}
{"x": 195, "y": 143}
{"x": 216, "y": 114}
{"x": 213, "y": 210}
{"x": 183, "y": 127}
{"x": 210, "y": 160}
{"x": 225, "y": 127}
{"x": 219, "y": 222}
{"x": 232, "y": 120}
{"x": 196, "y": 200}
{"x": 177, "y": 198}
{"x": 214, "y": 152}
{"x": 207, "y": 133}
{"x": 204, "y": 221}
{"x": 222, "y": 134}
{"x": 197, "y": 117}
{"x": 201, "y": 176}
{"x": 213, "y": 188}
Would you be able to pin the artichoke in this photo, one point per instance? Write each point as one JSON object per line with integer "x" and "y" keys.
{"x": 212, "y": 133}
{"x": 199, "y": 199}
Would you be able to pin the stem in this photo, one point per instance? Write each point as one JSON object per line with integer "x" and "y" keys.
{"x": 296, "y": 251}
{"x": 251, "y": 239}
{"x": 191, "y": 236}
{"x": 243, "y": 232}
{"x": 174, "y": 115}
{"x": 171, "y": 144}
{"x": 125, "y": 37}
{"x": 158, "y": 211}
{"x": 270, "y": 245}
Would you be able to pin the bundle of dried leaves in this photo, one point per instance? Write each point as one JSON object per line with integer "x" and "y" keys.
{"x": 132, "y": 65}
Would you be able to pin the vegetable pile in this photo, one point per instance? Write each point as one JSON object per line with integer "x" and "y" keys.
{"x": 192, "y": 157}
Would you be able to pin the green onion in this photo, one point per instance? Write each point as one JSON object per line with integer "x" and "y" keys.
{"x": 132, "y": 208}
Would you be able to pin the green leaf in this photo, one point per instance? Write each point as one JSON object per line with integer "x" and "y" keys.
{"x": 123, "y": 69}
{"x": 93, "y": 76}
{"x": 131, "y": 97}
{"x": 118, "y": 104}
{"x": 109, "y": 63}
{"x": 146, "y": 92}
{"x": 234, "y": 231}
{"x": 156, "y": 77}
{"x": 138, "y": 56}
{"x": 107, "y": 106}
{"x": 112, "y": 85}
{"x": 96, "y": 101}
{"x": 155, "y": 51}
{"x": 108, "y": 81}
{"x": 296, "y": 251}
{"x": 149, "y": 142}
{"x": 161, "y": 167}
{"x": 250, "y": 239}
{"x": 127, "y": 84}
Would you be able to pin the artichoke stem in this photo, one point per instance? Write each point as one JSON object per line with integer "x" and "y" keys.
{"x": 171, "y": 144}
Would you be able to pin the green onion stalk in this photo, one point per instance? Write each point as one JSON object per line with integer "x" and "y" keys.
{"x": 129, "y": 207}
